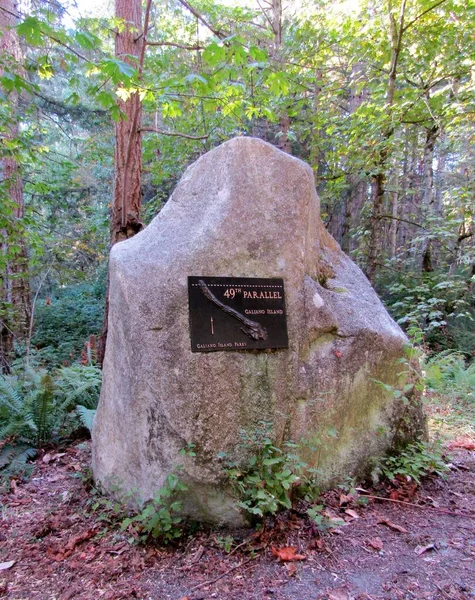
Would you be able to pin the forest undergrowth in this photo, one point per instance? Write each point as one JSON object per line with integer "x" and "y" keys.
{"x": 406, "y": 534}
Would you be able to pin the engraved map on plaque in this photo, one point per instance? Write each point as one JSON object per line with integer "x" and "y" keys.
{"x": 237, "y": 313}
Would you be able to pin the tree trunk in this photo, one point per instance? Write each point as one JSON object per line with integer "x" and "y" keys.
{"x": 283, "y": 142}
{"x": 428, "y": 201}
{"x": 393, "y": 226}
{"x": 277, "y": 24}
{"x": 15, "y": 302}
{"x": 125, "y": 214}
{"x": 378, "y": 180}
{"x": 125, "y": 217}
{"x": 354, "y": 198}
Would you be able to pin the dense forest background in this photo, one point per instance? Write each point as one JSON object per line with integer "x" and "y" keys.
{"x": 100, "y": 117}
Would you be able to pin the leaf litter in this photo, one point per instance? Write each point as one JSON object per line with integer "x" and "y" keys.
{"x": 59, "y": 548}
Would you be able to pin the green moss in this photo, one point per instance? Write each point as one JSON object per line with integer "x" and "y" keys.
{"x": 256, "y": 400}
{"x": 325, "y": 272}
{"x": 367, "y": 419}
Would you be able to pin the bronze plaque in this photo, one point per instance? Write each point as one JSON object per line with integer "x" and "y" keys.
{"x": 236, "y": 313}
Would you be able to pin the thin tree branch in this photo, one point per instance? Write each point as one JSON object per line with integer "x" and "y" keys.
{"x": 145, "y": 32}
{"x": 464, "y": 236}
{"x": 266, "y": 16}
{"x": 403, "y": 221}
{"x": 9, "y": 12}
{"x": 444, "y": 511}
{"x": 194, "y": 12}
{"x": 78, "y": 54}
{"x": 258, "y": 25}
{"x": 32, "y": 316}
{"x": 428, "y": 10}
{"x": 175, "y": 45}
{"x": 65, "y": 108}
{"x": 174, "y": 133}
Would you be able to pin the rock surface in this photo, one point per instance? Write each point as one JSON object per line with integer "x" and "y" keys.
{"x": 245, "y": 209}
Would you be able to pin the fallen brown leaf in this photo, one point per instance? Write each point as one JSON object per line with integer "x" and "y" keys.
{"x": 352, "y": 513}
{"x": 345, "y": 499}
{"x": 421, "y": 549}
{"x": 465, "y": 443}
{"x": 392, "y": 525}
{"x": 77, "y": 539}
{"x": 376, "y": 543}
{"x": 287, "y": 553}
{"x": 291, "y": 569}
{"x": 316, "y": 544}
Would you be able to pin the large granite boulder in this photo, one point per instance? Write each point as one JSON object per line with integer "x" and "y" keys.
{"x": 245, "y": 209}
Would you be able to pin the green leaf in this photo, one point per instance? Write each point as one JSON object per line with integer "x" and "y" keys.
{"x": 257, "y": 54}
{"x": 31, "y": 30}
{"x": 118, "y": 70}
{"x": 87, "y": 40}
{"x": 214, "y": 54}
{"x": 192, "y": 77}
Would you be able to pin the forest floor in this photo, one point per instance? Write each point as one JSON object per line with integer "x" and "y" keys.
{"x": 418, "y": 543}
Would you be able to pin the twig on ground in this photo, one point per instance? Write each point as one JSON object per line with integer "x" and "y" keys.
{"x": 445, "y": 511}
{"x": 237, "y": 547}
{"x": 211, "y": 581}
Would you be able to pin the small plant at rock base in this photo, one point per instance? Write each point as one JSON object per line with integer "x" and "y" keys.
{"x": 226, "y": 543}
{"x": 417, "y": 460}
{"x": 318, "y": 516}
{"x": 159, "y": 519}
{"x": 265, "y": 483}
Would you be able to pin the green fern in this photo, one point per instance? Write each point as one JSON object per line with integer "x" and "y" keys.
{"x": 10, "y": 397}
{"x": 79, "y": 383}
{"x": 86, "y": 416}
{"x": 15, "y": 419}
{"x": 448, "y": 374}
{"x": 36, "y": 407}
{"x": 43, "y": 410}
{"x": 14, "y": 459}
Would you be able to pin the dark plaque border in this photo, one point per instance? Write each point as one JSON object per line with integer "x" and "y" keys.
{"x": 237, "y": 313}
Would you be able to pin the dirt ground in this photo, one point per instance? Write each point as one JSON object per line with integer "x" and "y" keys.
{"x": 418, "y": 543}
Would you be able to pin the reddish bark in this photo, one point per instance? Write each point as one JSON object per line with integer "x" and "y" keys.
{"x": 125, "y": 217}
{"x": 130, "y": 42}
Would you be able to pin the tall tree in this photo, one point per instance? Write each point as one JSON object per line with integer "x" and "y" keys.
{"x": 14, "y": 293}
{"x": 130, "y": 44}
{"x": 378, "y": 180}
{"x": 129, "y": 47}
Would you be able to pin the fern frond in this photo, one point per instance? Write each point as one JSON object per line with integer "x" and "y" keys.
{"x": 78, "y": 383}
{"x": 73, "y": 395}
{"x": 13, "y": 459}
{"x": 7, "y": 454}
{"x": 86, "y": 416}
{"x": 11, "y": 428}
{"x": 10, "y": 397}
{"x": 34, "y": 376}
{"x": 43, "y": 409}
